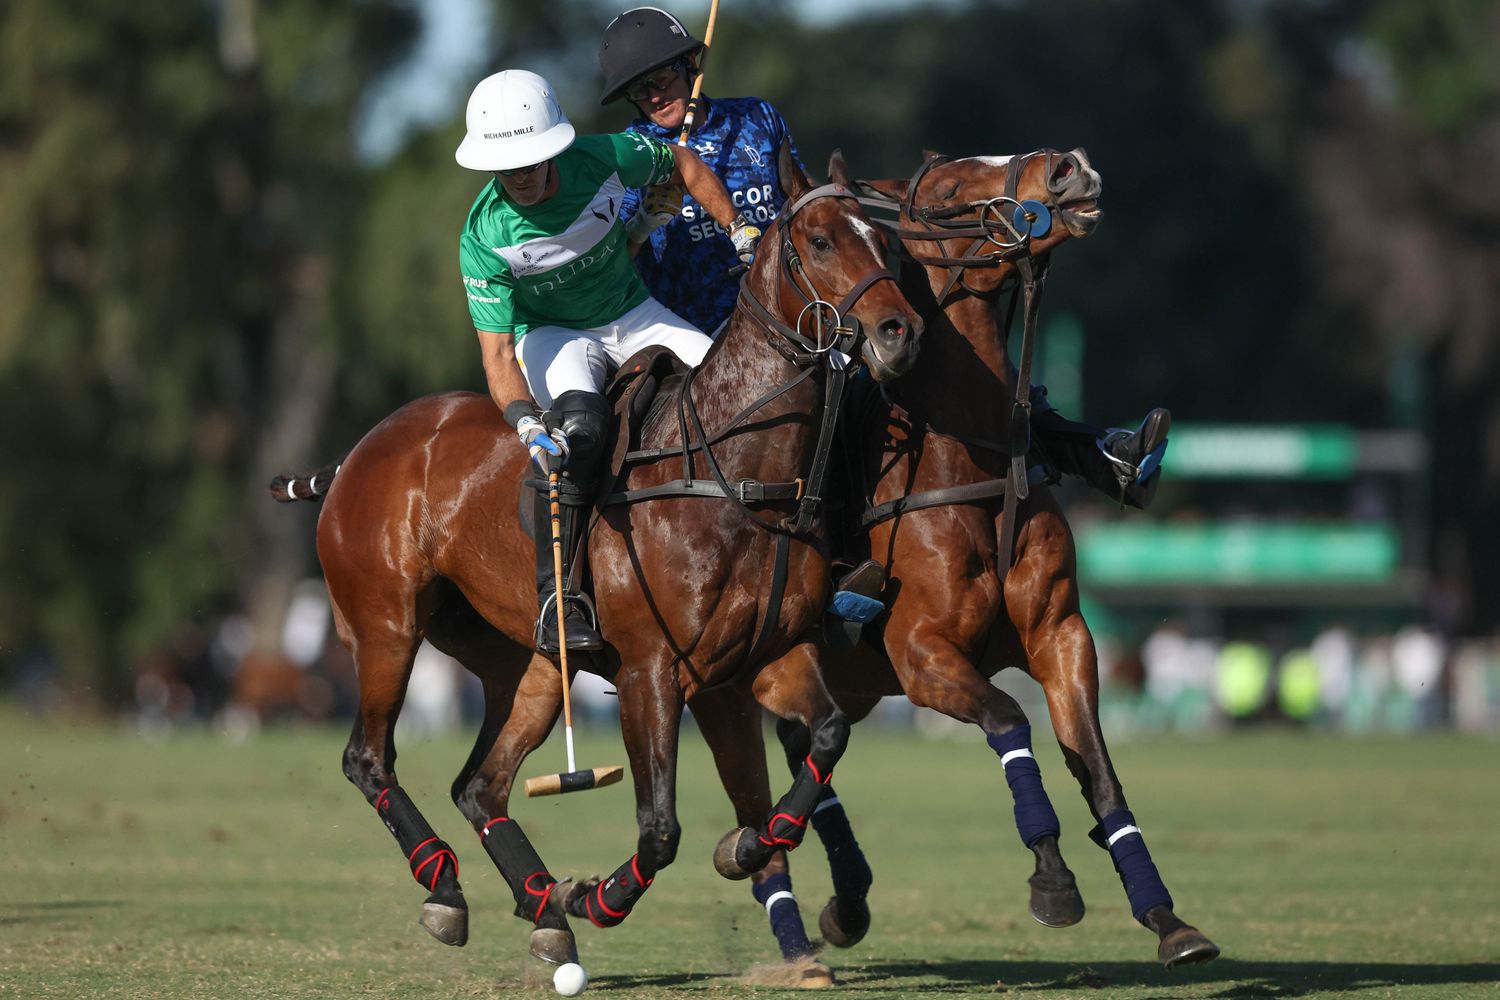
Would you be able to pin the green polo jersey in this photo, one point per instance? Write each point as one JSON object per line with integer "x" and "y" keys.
{"x": 562, "y": 262}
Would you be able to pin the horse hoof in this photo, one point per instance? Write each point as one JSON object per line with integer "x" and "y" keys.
{"x": 449, "y": 924}
{"x": 844, "y": 926}
{"x": 815, "y": 976}
{"x": 727, "y": 854}
{"x": 556, "y": 947}
{"x": 1185, "y": 946}
{"x": 1055, "y": 901}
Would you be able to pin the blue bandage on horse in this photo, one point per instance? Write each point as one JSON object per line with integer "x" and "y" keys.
{"x": 775, "y": 894}
{"x": 1035, "y": 817}
{"x": 1119, "y": 835}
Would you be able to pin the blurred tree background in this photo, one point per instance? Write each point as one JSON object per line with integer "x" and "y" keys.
{"x": 203, "y": 282}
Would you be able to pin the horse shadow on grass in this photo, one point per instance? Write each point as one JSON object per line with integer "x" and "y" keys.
{"x": 1239, "y": 980}
{"x": 51, "y": 911}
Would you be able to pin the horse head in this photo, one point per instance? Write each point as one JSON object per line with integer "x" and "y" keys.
{"x": 824, "y": 266}
{"x": 985, "y": 212}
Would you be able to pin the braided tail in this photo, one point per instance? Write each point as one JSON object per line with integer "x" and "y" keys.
{"x": 286, "y": 489}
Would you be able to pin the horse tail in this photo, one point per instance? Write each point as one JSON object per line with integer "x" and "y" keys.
{"x": 286, "y": 489}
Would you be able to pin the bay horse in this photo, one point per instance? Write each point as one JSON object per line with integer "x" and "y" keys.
{"x": 933, "y": 453}
{"x": 708, "y": 588}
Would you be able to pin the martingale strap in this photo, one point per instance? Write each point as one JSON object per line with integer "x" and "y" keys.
{"x": 1020, "y": 414}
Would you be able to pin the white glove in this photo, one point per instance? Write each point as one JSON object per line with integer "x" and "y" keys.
{"x": 541, "y": 443}
{"x": 662, "y": 204}
{"x": 745, "y": 238}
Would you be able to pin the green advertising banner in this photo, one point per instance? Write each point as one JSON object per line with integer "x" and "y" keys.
{"x": 1271, "y": 451}
{"x": 1117, "y": 554}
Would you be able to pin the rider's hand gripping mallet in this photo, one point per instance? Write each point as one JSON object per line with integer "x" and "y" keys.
{"x": 573, "y": 780}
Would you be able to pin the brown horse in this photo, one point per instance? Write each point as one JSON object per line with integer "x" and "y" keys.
{"x": 723, "y": 572}
{"x": 958, "y": 611}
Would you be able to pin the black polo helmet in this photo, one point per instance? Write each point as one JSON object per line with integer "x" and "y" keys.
{"x": 637, "y": 42}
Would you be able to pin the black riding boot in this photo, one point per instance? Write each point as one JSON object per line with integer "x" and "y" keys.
{"x": 578, "y": 610}
{"x": 1124, "y": 465}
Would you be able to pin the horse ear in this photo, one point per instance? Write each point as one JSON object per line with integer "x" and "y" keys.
{"x": 928, "y": 154}
{"x": 838, "y": 170}
{"x": 893, "y": 189}
{"x": 794, "y": 182}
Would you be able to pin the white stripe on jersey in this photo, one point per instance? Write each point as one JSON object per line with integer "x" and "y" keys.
{"x": 547, "y": 253}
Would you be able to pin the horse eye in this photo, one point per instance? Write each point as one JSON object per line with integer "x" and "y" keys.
{"x": 819, "y": 243}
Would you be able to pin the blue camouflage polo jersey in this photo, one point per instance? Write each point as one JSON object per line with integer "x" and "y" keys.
{"x": 686, "y": 264}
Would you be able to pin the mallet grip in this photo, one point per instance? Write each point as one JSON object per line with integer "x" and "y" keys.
{"x": 574, "y": 781}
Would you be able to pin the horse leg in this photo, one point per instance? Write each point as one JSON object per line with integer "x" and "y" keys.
{"x": 731, "y": 726}
{"x": 650, "y": 714}
{"x": 846, "y": 918}
{"x": 937, "y": 674}
{"x": 1042, "y": 599}
{"x": 791, "y": 688}
{"x": 521, "y": 707}
{"x": 1066, "y": 664}
{"x": 370, "y": 763}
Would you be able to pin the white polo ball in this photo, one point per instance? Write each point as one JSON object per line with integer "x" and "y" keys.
{"x": 570, "y": 979}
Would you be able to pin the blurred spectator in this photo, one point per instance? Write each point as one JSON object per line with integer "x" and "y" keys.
{"x": 35, "y": 678}
{"x": 176, "y": 683}
{"x": 1418, "y": 657}
{"x": 304, "y": 634}
{"x": 1244, "y": 681}
{"x": 1179, "y": 674}
{"x": 1476, "y": 687}
{"x": 432, "y": 706}
{"x": 1333, "y": 652}
{"x": 1299, "y": 694}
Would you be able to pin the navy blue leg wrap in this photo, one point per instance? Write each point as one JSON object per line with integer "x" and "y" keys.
{"x": 530, "y": 882}
{"x": 846, "y": 862}
{"x": 611, "y": 901}
{"x": 1035, "y": 817}
{"x": 775, "y": 894}
{"x": 1138, "y": 872}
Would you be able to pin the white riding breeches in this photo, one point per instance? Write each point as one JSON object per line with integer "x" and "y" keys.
{"x": 556, "y": 359}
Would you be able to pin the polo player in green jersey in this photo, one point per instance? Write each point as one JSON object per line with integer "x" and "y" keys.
{"x": 553, "y": 294}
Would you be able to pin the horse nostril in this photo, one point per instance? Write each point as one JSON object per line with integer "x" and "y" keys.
{"x": 893, "y": 328}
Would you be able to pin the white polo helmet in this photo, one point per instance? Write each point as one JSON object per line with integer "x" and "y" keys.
{"x": 514, "y": 120}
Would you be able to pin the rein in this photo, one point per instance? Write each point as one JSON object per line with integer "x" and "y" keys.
{"x": 1009, "y": 232}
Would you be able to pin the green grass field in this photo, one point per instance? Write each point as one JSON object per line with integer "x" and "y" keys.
{"x": 192, "y": 867}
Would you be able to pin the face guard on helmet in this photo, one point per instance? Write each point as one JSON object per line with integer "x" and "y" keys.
{"x": 514, "y": 120}
{"x": 637, "y": 42}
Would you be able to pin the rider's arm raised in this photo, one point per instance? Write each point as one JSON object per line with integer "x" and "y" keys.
{"x": 704, "y": 185}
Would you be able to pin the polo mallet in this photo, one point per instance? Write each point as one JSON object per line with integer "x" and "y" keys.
{"x": 572, "y": 780}
{"x": 692, "y": 109}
